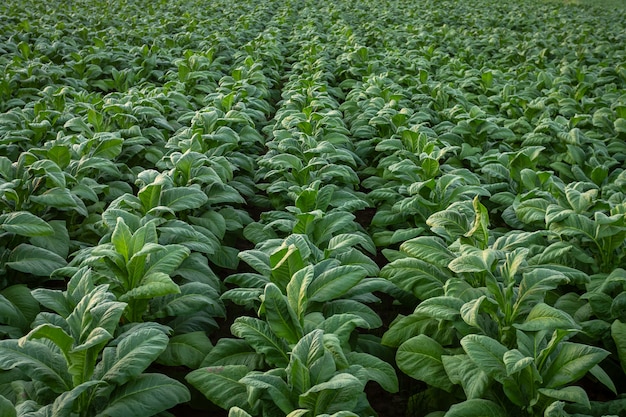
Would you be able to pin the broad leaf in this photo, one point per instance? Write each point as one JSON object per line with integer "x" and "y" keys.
{"x": 233, "y": 352}
{"x": 416, "y": 277}
{"x": 147, "y": 394}
{"x": 24, "y": 223}
{"x": 259, "y": 335}
{"x": 38, "y": 361}
{"x": 420, "y": 358}
{"x": 374, "y": 369}
{"x": 34, "y": 260}
{"x": 274, "y": 385}
{"x": 441, "y": 308}
{"x": 487, "y": 354}
{"x": 572, "y": 362}
{"x": 339, "y": 393}
{"x": 7, "y": 409}
{"x": 333, "y": 283}
{"x": 122, "y": 239}
{"x": 183, "y": 198}
{"x": 59, "y": 242}
{"x": 403, "y": 328}
{"x": 237, "y": 412}
{"x": 463, "y": 371}
{"x": 64, "y": 403}
{"x": 154, "y": 285}
{"x": 188, "y": 349}
{"x": 545, "y": 317}
{"x": 220, "y": 384}
{"x": 572, "y": 394}
{"x": 476, "y": 408}
{"x": 430, "y": 249}
{"x": 133, "y": 355}
{"x": 55, "y": 334}
{"x": 297, "y": 290}
{"x": 280, "y": 316}
{"x": 168, "y": 260}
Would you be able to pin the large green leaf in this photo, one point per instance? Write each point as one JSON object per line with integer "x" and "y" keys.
{"x": 188, "y": 349}
{"x": 59, "y": 242}
{"x": 534, "y": 286}
{"x": 450, "y": 223}
{"x": 572, "y": 362}
{"x": 532, "y": 210}
{"x": 233, "y": 352}
{"x": 38, "y": 361}
{"x": 334, "y": 282}
{"x": 24, "y": 223}
{"x": 145, "y": 395}
{"x": 18, "y": 309}
{"x": 168, "y": 260}
{"x": 280, "y": 316}
{"x": 441, "y": 308}
{"x": 237, "y": 412}
{"x": 132, "y": 355}
{"x": 342, "y": 325}
{"x": 66, "y": 402}
{"x": 153, "y": 285}
{"x": 259, "y": 335}
{"x": 575, "y": 225}
{"x": 417, "y": 277}
{"x": 193, "y": 297}
{"x": 53, "y": 333}
{"x": 183, "y": 198}
{"x": 405, "y": 327}
{"x": 122, "y": 239}
{"x": 462, "y": 370}
{"x": 60, "y": 155}
{"x": 353, "y": 307}
{"x": 487, "y": 354}
{"x": 57, "y": 197}
{"x": 221, "y": 385}
{"x": 374, "y": 369}
{"x": 108, "y": 147}
{"x": 339, "y": 393}
{"x": 572, "y": 394}
{"x": 7, "y": 409}
{"x": 545, "y": 317}
{"x": 310, "y": 362}
{"x": 429, "y": 249}
{"x": 284, "y": 263}
{"x": 297, "y": 290}
{"x": 420, "y": 358}
{"x": 274, "y": 385}
{"x": 34, "y": 260}
{"x": 348, "y": 240}
{"x": 258, "y": 260}
{"x": 476, "y": 408}
{"x": 51, "y": 170}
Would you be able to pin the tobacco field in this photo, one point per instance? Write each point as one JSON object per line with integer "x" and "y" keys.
{"x": 305, "y": 208}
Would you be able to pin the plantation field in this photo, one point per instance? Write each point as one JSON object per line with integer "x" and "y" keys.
{"x": 304, "y": 208}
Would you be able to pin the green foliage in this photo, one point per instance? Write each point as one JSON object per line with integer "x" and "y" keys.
{"x": 71, "y": 361}
{"x": 355, "y": 188}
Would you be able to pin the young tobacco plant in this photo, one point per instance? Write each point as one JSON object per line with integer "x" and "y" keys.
{"x": 317, "y": 378}
{"x": 72, "y": 364}
{"x": 331, "y": 286}
{"x": 299, "y": 303}
{"x": 488, "y": 297}
{"x": 136, "y": 266}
